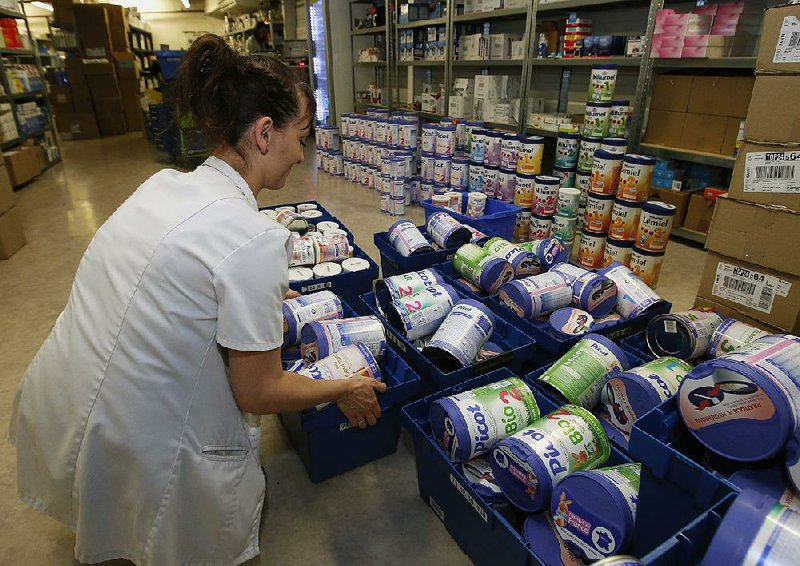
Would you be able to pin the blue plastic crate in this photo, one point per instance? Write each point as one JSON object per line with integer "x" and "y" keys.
{"x": 349, "y": 286}
{"x": 453, "y": 277}
{"x": 484, "y": 534}
{"x": 169, "y": 61}
{"x": 326, "y": 214}
{"x": 520, "y": 351}
{"x": 394, "y": 263}
{"x": 497, "y": 220}
{"x": 637, "y": 344}
{"x": 326, "y": 443}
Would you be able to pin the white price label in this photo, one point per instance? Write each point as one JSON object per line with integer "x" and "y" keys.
{"x": 787, "y": 49}
{"x": 747, "y": 287}
{"x": 772, "y": 172}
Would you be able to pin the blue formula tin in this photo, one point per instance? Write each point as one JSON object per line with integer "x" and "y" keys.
{"x": 591, "y": 292}
{"x": 594, "y": 511}
{"x": 541, "y": 534}
{"x": 633, "y": 296}
{"x": 549, "y": 250}
{"x": 461, "y": 336}
{"x": 469, "y": 424}
{"x": 685, "y": 335}
{"x": 481, "y": 268}
{"x": 407, "y": 239}
{"x": 743, "y": 405}
{"x": 769, "y": 481}
{"x": 446, "y": 231}
{"x": 537, "y": 295}
{"x": 524, "y": 262}
{"x": 321, "y": 338}
{"x": 323, "y": 305}
{"x": 529, "y": 464}
{"x": 478, "y": 472}
{"x": 421, "y": 314}
{"x": 570, "y": 322}
{"x": 406, "y": 284}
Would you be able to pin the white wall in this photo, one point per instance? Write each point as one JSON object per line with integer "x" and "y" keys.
{"x": 341, "y": 53}
{"x": 170, "y": 28}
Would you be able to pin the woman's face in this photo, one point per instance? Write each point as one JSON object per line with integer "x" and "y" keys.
{"x": 286, "y": 149}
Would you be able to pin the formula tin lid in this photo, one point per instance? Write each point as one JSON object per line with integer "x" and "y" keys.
{"x": 658, "y": 207}
{"x": 640, "y": 159}
{"x": 565, "y": 169}
{"x": 591, "y": 139}
{"x": 494, "y": 133}
{"x": 596, "y": 196}
{"x": 473, "y": 123}
{"x": 511, "y": 136}
{"x": 460, "y": 159}
{"x": 447, "y": 127}
{"x": 542, "y": 216}
{"x": 608, "y": 154}
{"x": 599, "y": 104}
{"x": 629, "y": 204}
{"x": 527, "y": 176}
{"x": 430, "y": 126}
{"x": 428, "y": 154}
{"x": 539, "y": 140}
{"x": 569, "y": 322}
{"x": 508, "y": 171}
{"x": 621, "y": 102}
{"x": 443, "y": 158}
{"x": 492, "y": 167}
{"x": 584, "y": 173}
{"x": 648, "y": 253}
{"x": 539, "y": 532}
{"x": 480, "y": 132}
{"x": 547, "y": 179}
{"x": 619, "y": 243}
{"x": 591, "y": 234}
{"x": 616, "y": 142}
{"x": 425, "y": 183}
{"x": 569, "y": 135}
{"x": 608, "y": 67}
{"x": 475, "y": 164}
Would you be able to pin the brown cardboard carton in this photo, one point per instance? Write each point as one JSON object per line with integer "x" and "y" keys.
{"x": 664, "y": 128}
{"x": 702, "y": 132}
{"x": 12, "y": 237}
{"x": 699, "y": 213}
{"x": 103, "y": 86}
{"x": 95, "y": 67}
{"x": 7, "y": 198}
{"x": 758, "y": 233}
{"x": 730, "y": 312}
{"x": 767, "y": 174}
{"x": 766, "y": 295}
{"x": 130, "y": 87}
{"x": 679, "y": 199}
{"x": 732, "y": 129}
{"x": 671, "y": 93}
{"x": 127, "y": 66}
{"x": 78, "y": 126}
{"x": 132, "y": 108}
{"x": 63, "y": 14}
{"x": 774, "y": 113}
{"x": 93, "y": 33}
{"x": 61, "y": 96}
{"x": 110, "y": 117}
{"x": 23, "y": 164}
{"x": 776, "y": 36}
{"x": 721, "y": 96}
{"x": 117, "y": 27}
{"x": 74, "y": 68}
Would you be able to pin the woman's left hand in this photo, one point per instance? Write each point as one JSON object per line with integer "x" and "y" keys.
{"x": 292, "y": 294}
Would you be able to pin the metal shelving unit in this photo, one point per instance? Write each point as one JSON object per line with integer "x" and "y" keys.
{"x": 586, "y": 62}
{"x": 421, "y": 63}
{"x": 370, "y": 31}
{"x": 493, "y": 15}
{"x": 382, "y": 71}
{"x": 488, "y": 63}
{"x": 423, "y": 23}
{"x": 718, "y": 63}
{"x": 700, "y": 157}
{"x": 141, "y": 41}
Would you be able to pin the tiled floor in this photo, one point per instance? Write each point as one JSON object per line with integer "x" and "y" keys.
{"x": 367, "y": 516}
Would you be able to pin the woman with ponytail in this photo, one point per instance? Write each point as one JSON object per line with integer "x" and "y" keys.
{"x": 129, "y": 423}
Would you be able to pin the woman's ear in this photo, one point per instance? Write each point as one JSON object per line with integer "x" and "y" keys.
{"x": 263, "y": 134}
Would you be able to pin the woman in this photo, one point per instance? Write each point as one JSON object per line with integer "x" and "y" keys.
{"x": 128, "y": 423}
{"x": 257, "y": 43}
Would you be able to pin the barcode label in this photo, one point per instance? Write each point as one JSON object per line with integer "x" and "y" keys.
{"x": 670, "y": 326}
{"x": 748, "y": 287}
{"x": 772, "y": 172}
{"x": 787, "y": 50}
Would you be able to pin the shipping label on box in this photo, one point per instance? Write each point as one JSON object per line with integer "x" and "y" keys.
{"x": 787, "y": 49}
{"x": 748, "y": 287}
{"x": 772, "y": 172}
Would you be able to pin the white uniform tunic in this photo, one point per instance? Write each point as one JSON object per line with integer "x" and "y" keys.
{"x": 125, "y": 424}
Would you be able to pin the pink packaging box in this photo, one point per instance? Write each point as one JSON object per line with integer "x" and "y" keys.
{"x": 695, "y": 41}
{"x": 670, "y": 30}
{"x": 677, "y": 19}
{"x": 707, "y": 10}
{"x": 690, "y": 52}
{"x": 667, "y": 52}
{"x": 730, "y": 8}
{"x": 723, "y": 30}
{"x": 727, "y": 19}
{"x": 668, "y": 41}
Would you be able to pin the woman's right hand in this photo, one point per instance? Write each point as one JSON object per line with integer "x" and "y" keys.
{"x": 359, "y": 404}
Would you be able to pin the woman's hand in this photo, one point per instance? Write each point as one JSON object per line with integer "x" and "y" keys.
{"x": 291, "y": 294}
{"x": 359, "y": 404}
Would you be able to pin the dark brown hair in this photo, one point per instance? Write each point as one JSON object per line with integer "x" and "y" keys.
{"x": 224, "y": 92}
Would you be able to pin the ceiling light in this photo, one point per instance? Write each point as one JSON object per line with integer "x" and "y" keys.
{"x": 43, "y": 6}
{"x": 185, "y": 3}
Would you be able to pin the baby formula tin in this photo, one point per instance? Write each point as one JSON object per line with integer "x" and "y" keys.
{"x": 564, "y": 228}
{"x": 590, "y": 250}
{"x": 353, "y": 264}
{"x": 603, "y": 83}
{"x": 345, "y": 363}
{"x": 490, "y": 180}
{"x": 545, "y": 194}
{"x": 446, "y": 231}
{"x": 478, "y": 146}
{"x": 568, "y": 201}
{"x": 596, "y": 118}
{"x": 594, "y": 511}
{"x": 525, "y": 191}
{"x": 730, "y": 336}
{"x": 469, "y": 129}
{"x": 597, "y": 217}
{"x": 570, "y": 322}
{"x": 550, "y": 251}
{"x": 476, "y": 204}
{"x": 494, "y": 141}
{"x": 303, "y": 252}
{"x": 589, "y": 145}
{"x": 633, "y": 296}
{"x": 478, "y": 472}
{"x": 615, "y": 144}
{"x": 769, "y": 481}
{"x": 684, "y": 335}
{"x": 445, "y": 140}
{"x": 476, "y": 177}
{"x": 522, "y": 226}
{"x": 617, "y": 250}
{"x": 455, "y": 201}
{"x": 429, "y": 138}
{"x": 646, "y": 265}
{"x": 531, "y": 152}
{"x": 743, "y": 405}
{"x": 509, "y": 150}
{"x": 606, "y": 166}
{"x": 580, "y": 374}
{"x": 534, "y": 296}
{"x": 566, "y": 175}
{"x": 471, "y": 423}
{"x": 409, "y": 283}
{"x": 332, "y": 248}
{"x": 567, "y": 147}
{"x": 421, "y": 314}
{"x": 624, "y": 220}
{"x": 459, "y": 173}
{"x": 322, "y": 305}
{"x": 441, "y": 170}
{"x": 591, "y": 292}
{"x": 426, "y": 189}
{"x": 583, "y": 180}
{"x": 655, "y": 226}
{"x": 529, "y": 464}
{"x": 407, "y": 239}
{"x": 482, "y": 269}
{"x": 522, "y": 261}
{"x": 461, "y": 336}
{"x": 618, "y": 120}
{"x": 540, "y": 533}
{"x": 321, "y": 338}
{"x": 427, "y": 165}
{"x": 628, "y": 395}
{"x": 506, "y": 185}
{"x": 407, "y": 135}
{"x": 635, "y": 177}
{"x": 541, "y": 226}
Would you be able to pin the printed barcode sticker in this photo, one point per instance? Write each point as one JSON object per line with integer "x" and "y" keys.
{"x": 787, "y": 50}
{"x": 747, "y": 287}
{"x": 772, "y": 172}
{"x": 670, "y": 326}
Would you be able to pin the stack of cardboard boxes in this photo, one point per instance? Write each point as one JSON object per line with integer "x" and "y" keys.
{"x": 102, "y": 96}
{"x": 12, "y": 238}
{"x": 753, "y": 268}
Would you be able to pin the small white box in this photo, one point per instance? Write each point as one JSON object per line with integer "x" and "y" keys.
{"x": 515, "y": 4}
{"x": 472, "y": 6}
{"x": 499, "y": 46}
{"x": 489, "y": 86}
{"x": 489, "y": 5}
{"x": 503, "y": 113}
{"x": 464, "y": 86}
{"x": 460, "y": 106}
{"x": 518, "y": 49}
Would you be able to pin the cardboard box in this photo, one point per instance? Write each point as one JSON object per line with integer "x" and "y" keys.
{"x": 130, "y": 87}
{"x": 83, "y": 101}
{"x": 98, "y": 67}
{"x": 774, "y": 113}
{"x": 757, "y": 233}
{"x": 767, "y": 174}
{"x": 74, "y": 68}
{"x": 679, "y": 199}
{"x": 699, "y": 213}
{"x": 671, "y": 93}
{"x": 721, "y": 96}
{"x": 7, "y": 198}
{"x": 730, "y": 312}
{"x": 78, "y": 126}
{"x": 23, "y": 164}
{"x": 132, "y": 108}
{"x": 117, "y": 27}
{"x": 61, "y": 96}
{"x": 63, "y": 14}
{"x": 732, "y": 129}
{"x": 763, "y": 294}
{"x": 103, "y": 86}
{"x": 110, "y": 117}
{"x": 703, "y": 132}
{"x": 93, "y": 33}
{"x": 127, "y": 66}
{"x": 665, "y": 128}
{"x": 460, "y": 106}
{"x": 776, "y": 54}
{"x": 12, "y": 237}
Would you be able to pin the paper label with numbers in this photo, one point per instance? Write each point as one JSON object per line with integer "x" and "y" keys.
{"x": 788, "y": 48}
{"x": 747, "y": 287}
{"x": 772, "y": 172}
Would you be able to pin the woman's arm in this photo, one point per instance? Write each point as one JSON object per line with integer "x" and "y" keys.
{"x": 261, "y": 386}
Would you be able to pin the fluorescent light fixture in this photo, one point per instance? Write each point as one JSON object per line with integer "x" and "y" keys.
{"x": 43, "y": 6}
{"x": 185, "y": 3}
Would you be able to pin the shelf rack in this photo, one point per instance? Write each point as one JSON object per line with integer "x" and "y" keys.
{"x": 141, "y": 41}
